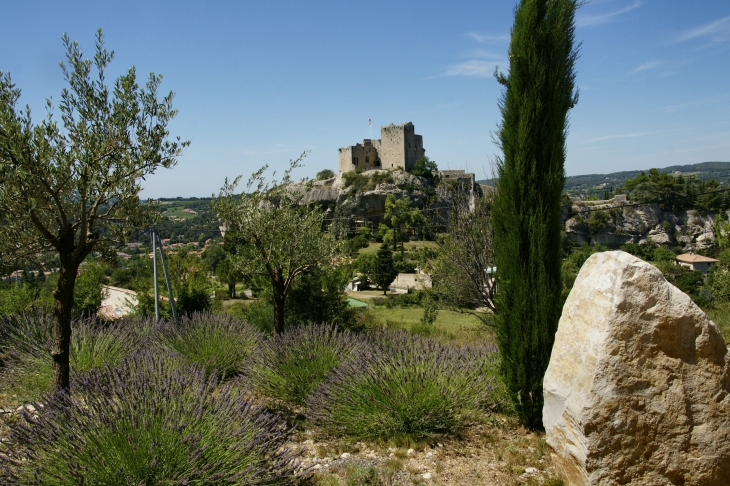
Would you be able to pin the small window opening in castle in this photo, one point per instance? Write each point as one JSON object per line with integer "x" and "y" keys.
{"x": 367, "y": 160}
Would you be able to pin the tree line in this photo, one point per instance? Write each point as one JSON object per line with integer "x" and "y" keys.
{"x": 72, "y": 187}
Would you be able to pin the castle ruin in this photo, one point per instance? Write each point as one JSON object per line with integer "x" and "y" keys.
{"x": 398, "y": 148}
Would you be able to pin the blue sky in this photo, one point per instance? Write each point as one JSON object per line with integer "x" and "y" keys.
{"x": 259, "y": 82}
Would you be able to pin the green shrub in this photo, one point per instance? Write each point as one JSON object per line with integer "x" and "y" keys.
{"x": 365, "y": 319}
{"x": 356, "y": 243}
{"x": 325, "y": 174}
{"x": 356, "y": 181}
{"x": 360, "y": 183}
{"x": 430, "y": 312}
{"x": 597, "y": 221}
{"x": 498, "y": 399}
{"x": 15, "y": 299}
{"x": 411, "y": 299}
{"x": 423, "y": 329}
{"x": 260, "y": 314}
{"x": 663, "y": 254}
{"x": 721, "y": 317}
{"x": 289, "y": 366}
{"x": 402, "y": 386}
{"x": 378, "y": 178}
{"x": 147, "y": 422}
{"x": 219, "y": 344}
{"x": 27, "y": 349}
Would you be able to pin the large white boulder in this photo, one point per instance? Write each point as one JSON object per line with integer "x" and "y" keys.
{"x": 638, "y": 386}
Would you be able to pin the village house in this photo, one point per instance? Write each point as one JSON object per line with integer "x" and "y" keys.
{"x": 117, "y": 302}
{"x": 696, "y": 262}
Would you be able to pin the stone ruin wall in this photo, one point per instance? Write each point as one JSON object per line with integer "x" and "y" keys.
{"x": 346, "y": 160}
{"x": 393, "y": 140}
{"x": 420, "y": 152}
{"x": 364, "y": 156}
{"x": 398, "y": 148}
{"x": 463, "y": 177}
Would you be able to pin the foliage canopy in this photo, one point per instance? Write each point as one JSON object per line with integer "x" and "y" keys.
{"x": 73, "y": 187}
{"x": 277, "y": 238}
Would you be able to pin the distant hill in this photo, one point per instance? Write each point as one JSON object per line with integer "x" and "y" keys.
{"x": 595, "y": 184}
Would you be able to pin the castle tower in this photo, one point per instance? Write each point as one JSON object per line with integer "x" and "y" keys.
{"x": 398, "y": 148}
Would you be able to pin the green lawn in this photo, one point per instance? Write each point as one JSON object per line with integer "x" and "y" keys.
{"x": 410, "y": 245}
{"x": 458, "y": 326}
{"x": 176, "y": 209}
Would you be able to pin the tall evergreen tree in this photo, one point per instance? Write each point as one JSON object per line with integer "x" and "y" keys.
{"x": 384, "y": 272}
{"x": 539, "y": 91}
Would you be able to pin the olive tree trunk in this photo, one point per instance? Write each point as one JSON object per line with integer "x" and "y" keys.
{"x": 63, "y": 304}
{"x": 280, "y": 292}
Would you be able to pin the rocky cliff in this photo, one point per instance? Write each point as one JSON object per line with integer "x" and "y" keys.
{"x": 369, "y": 203}
{"x": 616, "y": 221}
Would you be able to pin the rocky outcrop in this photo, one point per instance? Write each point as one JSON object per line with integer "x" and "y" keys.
{"x": 638, "y": 386}
{"x": 622, "y": 223}
{"x": 368, "y": 204}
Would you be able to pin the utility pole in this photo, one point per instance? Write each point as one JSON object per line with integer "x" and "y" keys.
{"x": 155, "y": 240}
{"x": 154, "y": 271}
{"x": 167, "y": 281}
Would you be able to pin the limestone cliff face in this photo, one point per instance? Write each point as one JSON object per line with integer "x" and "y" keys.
{"x": 369, "y": 204}
{"x": 623, "y": 223}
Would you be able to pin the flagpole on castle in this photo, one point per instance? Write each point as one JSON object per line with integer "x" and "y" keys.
{"x": 370, "y": 124}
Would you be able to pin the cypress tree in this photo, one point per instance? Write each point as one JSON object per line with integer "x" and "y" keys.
{"x": 537, "y": 94}
{"x": 384, "y": 272}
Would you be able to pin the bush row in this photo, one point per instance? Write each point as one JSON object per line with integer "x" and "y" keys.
{"x": 150, "y": 421}
{"x": 169, "y": 401}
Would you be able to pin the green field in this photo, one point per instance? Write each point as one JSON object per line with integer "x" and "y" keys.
{"x": 409, "y": 245}
{"x": 457, "y": 326}
{"x": 174, "y": 208}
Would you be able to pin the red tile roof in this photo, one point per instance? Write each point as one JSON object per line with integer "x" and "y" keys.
{"x": 692, "y": 258}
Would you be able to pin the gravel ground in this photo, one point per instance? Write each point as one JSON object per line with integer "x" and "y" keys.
{"x": 495, "y": 452}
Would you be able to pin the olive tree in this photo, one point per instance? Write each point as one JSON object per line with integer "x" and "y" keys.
{"x": 72, "y": 186}
{"x": 278, "y": 238}
{"x": 464, "y": 273}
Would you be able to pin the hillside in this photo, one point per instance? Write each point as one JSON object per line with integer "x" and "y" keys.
{"x": 595, "y": 184}
{"x": 189, "y": 219}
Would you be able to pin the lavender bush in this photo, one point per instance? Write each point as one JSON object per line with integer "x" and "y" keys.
{"x": 289, "y": 366}
{"x": 147, "y": 422}
{"x": 404, "y": 386}
{"x": 26, "y": 342}
{"x": 220, "y": 344}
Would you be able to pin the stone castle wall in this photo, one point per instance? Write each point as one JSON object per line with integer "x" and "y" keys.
{"x": 461, "y": 176}
{"x": 364, "y": 156}
{"x": 398, "y": 148}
